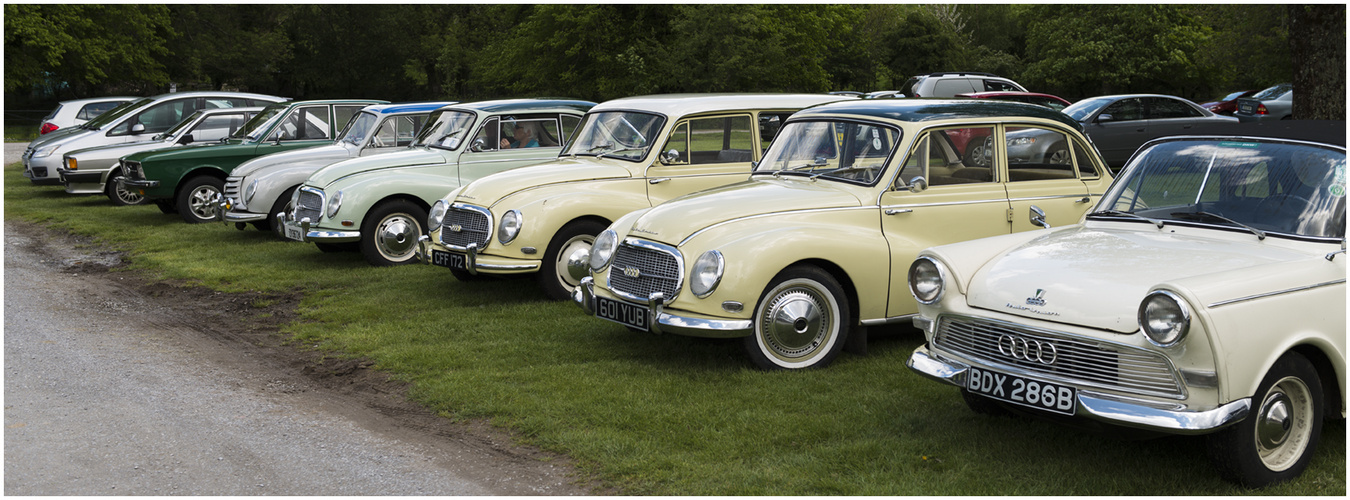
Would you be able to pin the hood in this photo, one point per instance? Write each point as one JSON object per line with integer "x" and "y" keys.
{"x": 60, "y": 136}
{"x": 115, "y": 151}
{"x": 1096, "y": 277}
{"x": 672, "y": 221}
{"x": 317, "y": 156}
{"x": 491, "y": 189}
{"x": 190, "y": 151}
{"x": 410, "y": 158}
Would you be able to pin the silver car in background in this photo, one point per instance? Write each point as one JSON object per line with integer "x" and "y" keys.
{"x": 1275, "y": 103}
{"x": 1119, "y": 124}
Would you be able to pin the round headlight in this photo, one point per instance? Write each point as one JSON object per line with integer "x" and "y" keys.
{"x": 707, "y": 273}
{"x": 437, "y": 215}
{"x": 1164, "y": 318}
{"x": 250, "y": 190}
{"x": 603, "y": 249}
{"x": 334, "y": 204}
{"x": 925, "y": 280}
{"x": 509, "y": 226}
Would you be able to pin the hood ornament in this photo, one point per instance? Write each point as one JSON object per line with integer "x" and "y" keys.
{"x": 1038, "y": 299}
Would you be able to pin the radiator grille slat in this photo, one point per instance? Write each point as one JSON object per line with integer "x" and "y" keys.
{"x": 309, "y": 204}
{"x": 462, "y": 227}
{"x": 639, "y": 271}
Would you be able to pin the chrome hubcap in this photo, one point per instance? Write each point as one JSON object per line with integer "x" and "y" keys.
{"x": 396, "y": 237}
{"x": 573, "y": 260}
{"x": 796, "y": 322}
{"x": 1283, "y": 426}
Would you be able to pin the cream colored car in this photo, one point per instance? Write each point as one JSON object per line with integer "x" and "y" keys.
{"x": 1204, "y": 295}
{"x": 630, "y": 153}
{"x": 816, "y": 243}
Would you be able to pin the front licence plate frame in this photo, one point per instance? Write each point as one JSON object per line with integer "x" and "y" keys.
{"x": 630, "y": 315}
{"x": 293, "y": 231}
{"x": 448, "y": 260}
{"x": 1045, "y": 396}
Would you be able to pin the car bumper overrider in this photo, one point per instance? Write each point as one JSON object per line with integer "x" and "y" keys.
{"x": 227, "y": 213}
{"x": 304, "y": 232}
{"x": 661, "y": 320}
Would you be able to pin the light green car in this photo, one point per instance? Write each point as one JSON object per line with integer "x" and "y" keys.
{"x": 379, "y": 204}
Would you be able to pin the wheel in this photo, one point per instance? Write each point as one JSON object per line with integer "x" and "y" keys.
{"x": 283, "y": 204}
{"x": 166, "y": 206}
{"x": 553, "y": 275}
{"x": 337, "y": 247}
{"x": 199, "y": 199}
{"x": 983, "y": 405}
{"x": 1058, "y": 155}
{"x": 801, "y": 321}
{"x": 390, "y": 231}
{"x": 980, "y": 153}
{"x": 1277, "y": 439}
{"x": 119, "y": 196}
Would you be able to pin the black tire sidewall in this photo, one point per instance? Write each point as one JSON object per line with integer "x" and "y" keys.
{"x": 278, "y": 206}
{"x": 1233, "y": 450}
{"x": 110, "y": 189}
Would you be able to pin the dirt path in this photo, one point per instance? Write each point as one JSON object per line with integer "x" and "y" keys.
{"x": 116, "y": 385}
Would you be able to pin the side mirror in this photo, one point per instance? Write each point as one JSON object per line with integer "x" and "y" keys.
{"x": 1105, "y": 117}
{"x": 185, "y": 139}
{"x": 478, "y": 145}
{"x": 137, "y": 129}
{"x": 670, "y": 157}
{"x": 1038, "y": 217}
{"x": 918, "y": 185}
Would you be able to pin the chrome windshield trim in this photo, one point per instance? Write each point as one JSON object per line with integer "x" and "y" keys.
{"x": 773, "y": 214}
{"x": 1279, "y": 292}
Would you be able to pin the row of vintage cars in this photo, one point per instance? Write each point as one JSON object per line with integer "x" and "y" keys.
{"x": 1199, "y": 291}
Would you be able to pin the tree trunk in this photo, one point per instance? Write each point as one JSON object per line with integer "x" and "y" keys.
{"x": 1317, "y": 47}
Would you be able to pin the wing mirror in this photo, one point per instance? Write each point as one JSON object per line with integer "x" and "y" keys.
{"x": 670, "y": 157}
{"x": 138, "y": 129}
{"x": 478, "y": 146}
{"x": 1038, "y": 217}
{"x": 918, "y": 185}
{"x": 1105, "y": 117}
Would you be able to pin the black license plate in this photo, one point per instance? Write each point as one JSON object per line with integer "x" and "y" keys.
{"x": 623, "y": 313}
{"x": 447, "y": 259}
{"x": 1045, "y": 396}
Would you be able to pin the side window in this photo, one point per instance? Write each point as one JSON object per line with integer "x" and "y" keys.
{"x": 216, "y": 127}
{"x": 92, "y": 110}
{"x": 489, "y": 135}
{"x": 960, "y": 156}
{"x": 386, "y": 136}
{"x": 221, "y": 102}
{"x": 1000, "y": 86}
{"x": 1036, "y": 153}
{"x": 1086, "y": 170}
{"x": 307, "y": 123}
{"x": 769, "y": 123}
{"x": 344, "y": 114}
{"x": 720, "y": 140}
{"x": 530, "y": 133}
{"x": 159, "y": 117}
{"x": 1159, "y": 107}
{"x": 679, "y": 141}
{"x": 948, "y": 87}
{"x": 1125, "y": 109}
{"x": 569, "y": 124}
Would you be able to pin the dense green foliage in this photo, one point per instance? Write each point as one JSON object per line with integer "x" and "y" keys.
{"x": 601, "y": 52}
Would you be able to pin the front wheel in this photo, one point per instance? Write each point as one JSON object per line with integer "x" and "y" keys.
{"x": 1277, "y": 439}
{"x": 553, "y": 275}
{"x": 199, "y": 199}
{"x": 390, "y": 232}
{"x": 118, "y": 195}
{"x": 801, "y": 321}
{"x": 283, "y": 204}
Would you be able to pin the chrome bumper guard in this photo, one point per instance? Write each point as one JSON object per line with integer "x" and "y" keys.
{"x": 1103, "y": 407}
{"x": 224, "y": 213}
{"x": 664, "y": 322}
{"x": 320, "y": 236}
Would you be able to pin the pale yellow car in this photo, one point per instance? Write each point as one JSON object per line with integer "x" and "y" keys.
{"x": 629, "y": 154}
{"x": 817, "y": 242}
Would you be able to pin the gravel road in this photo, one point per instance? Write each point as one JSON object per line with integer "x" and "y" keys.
{"x": 109, "y": 391}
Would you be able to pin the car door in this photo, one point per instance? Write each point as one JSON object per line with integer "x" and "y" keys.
{"x": 510, "y": 141}
{"x": 217, "y": 126}
{"x": 712, "y": 151}
{"x": 1168, "y": 116}
{"x": 155, "y": 119}
{"x": 303, "y": 126}
{"x": 964, "y": 199}
{"x": 1042, "y": 171}
{"x": 1119, "y": 129}
{"x": 394, "y": 133}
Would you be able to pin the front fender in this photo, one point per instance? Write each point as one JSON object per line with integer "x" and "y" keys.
{"x": 361, "y": 192}
{"x": 546, "y": 209}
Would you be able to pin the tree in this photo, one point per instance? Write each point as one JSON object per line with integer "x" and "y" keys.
{"x": 245, "y": 46}
{"x": 85, "y": 48}
{"x": 1318, "y": 49}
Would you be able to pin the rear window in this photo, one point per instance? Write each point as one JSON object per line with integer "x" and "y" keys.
{"x": 1274, "y": 92}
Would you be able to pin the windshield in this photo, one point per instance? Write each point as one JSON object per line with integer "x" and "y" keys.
{"x": 448, "y": 129}
{"x": 359, "y": 128}
{"x": 617, "y": 134}
{"x": 1274, "y": 92}
{"x": 115, "y": 113}
{"x": 1081, "y": 110}
{"x": 837, "y": 150}
{"x": 181, "y": 125}
{"x": 254, "y": 128}
{"x": 1294, "y": 189}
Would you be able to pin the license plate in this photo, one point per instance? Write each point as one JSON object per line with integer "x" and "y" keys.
{"x": 293, "y": 232}
{"x": 1045, "y": 396}
{"x": 623, "y": 313}
{"x": 1246, "y": 108}
{"x": 447, "y": 259}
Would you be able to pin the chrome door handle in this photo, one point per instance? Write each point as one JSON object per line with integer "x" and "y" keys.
{"x": 657, "y": 181}
{"x": 1086, "y": 199}
{"x": 893, "y": 211}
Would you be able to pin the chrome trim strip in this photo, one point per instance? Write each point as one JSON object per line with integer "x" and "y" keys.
{"x": 1272, "y": 294}
{"x": 948, "y": 203}
{"x": 333, "y": 236}
{"x": 773, "y": 214}
{"x": 1055, "y": 197}
{"x": 243, "y": 217}
{"x": 504, "y": 160}
{"x": 507, "y": 267}
{"x": 890, "y": 320}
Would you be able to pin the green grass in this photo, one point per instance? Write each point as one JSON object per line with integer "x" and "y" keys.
{"x": 20, "y": 133}
{"x": 660, "y": 415}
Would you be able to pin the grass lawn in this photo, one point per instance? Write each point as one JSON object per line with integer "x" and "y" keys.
{"x": 654, "y": 415}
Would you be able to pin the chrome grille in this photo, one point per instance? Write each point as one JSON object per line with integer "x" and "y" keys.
{"x": 638, "y": 271}
{"x": 234, "y": 187}
{"x": 1083, "y": 362}
{"x": 309, "y": 204}
{"x": 463, "y": 226}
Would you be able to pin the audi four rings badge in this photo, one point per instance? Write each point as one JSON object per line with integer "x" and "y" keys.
{"x": 1038, "y": 299}
{"x": 1028, "y": 349}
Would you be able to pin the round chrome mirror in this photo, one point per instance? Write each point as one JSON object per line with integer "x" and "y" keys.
{"x": 671, "y": 156}
{"x": 918, "y": 185}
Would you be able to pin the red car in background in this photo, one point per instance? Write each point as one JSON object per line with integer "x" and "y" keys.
{"x": 1053, "y": 102}
{"x": 1227, "y": 105}
{"x": 964, "y": 140}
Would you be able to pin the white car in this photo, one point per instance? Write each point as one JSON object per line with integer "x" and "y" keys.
{"x": 1205, "y": 294}
{"x": 77, "y": 111}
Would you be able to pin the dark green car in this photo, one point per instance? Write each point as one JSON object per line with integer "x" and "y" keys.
{"x": 189, "y": 180}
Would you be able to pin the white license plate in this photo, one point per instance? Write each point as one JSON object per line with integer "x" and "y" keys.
{"x": 447, "y": 259}
{"x": 623, "y": 313}
{"x": 292, "y": 231}
{"x": 1045, "y": 396}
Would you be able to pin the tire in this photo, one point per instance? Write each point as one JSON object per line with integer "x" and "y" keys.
{"x": 553, "y": 276}
{"x": 983, "y": 405}
{"x": 1277, "y": 439}
{"x": 283, "y": 204}
{"x": 166, "y": 206}
{"x": 389, "y": 233}
{"x": 802, "y": 321}
{"x": 1058, "y": 155}
{"x": 199, "y": 199}
{"x": 120, "y": 197}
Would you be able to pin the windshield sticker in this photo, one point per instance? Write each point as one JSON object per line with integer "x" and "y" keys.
{"x": 1337, "y": 188}
{"x": 1234, "y": 144}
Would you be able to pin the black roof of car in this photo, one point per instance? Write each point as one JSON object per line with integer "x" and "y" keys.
{"x": 919, "y": 110}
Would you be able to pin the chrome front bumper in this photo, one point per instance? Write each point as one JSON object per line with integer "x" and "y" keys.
{"x": 224, "y": 213}
{"x": 473, "y": 261}
{"x": 309, "y": 235}
{"x": 1103, "y": 407}
{"x": 664, "y": 322}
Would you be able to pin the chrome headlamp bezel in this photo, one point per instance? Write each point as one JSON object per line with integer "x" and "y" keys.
{"x": 706, "y": 273}
{"x": 334, "y": 204}
{"x": 436, "y": 216}
{"x": 927, "y": 280}
{"x": 1164, "y": 318}
{"x": 509, "y": 226}
{"x": 602, "y": 251}
{"x": 250, "y": 190}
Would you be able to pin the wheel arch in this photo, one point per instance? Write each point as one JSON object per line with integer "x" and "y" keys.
{"x": 1332, "y": 388}
{"x": 415, "y": 200}
{"x": 207, "y": 170}
{"x": 835, "y": 271}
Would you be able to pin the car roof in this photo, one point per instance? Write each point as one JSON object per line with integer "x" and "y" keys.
{"x": 688, "y": 104}
{"x": 209, "y": 93}
{"x": 1330, "y": 132}
{"x": 524, "y": 105}
{"x": 1009, "y": 94}
{"x": 923, "y": 109}
{"x": 1125, "y": 96}
{"x": 123, "y": 98}
{"x": 214, "y": 111}
{"x": 408, "y": 107}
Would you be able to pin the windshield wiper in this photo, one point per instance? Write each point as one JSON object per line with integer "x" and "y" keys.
{"x": 1260, "y": 235}
{"x": 1155, "y": 222}
{"x": 840, "y": 170}
{"x": 602, "y": 146}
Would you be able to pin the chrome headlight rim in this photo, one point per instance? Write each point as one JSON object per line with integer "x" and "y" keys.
{"x": 699, "y": 281}
{"x": 602, "y": 250}
{"x": 436, "y": 216}
{"x": 250, "y": 190}
{"x": 1179, "y": 318}
{"x": 508, "y": 226}
{"x": 334, "y": 204}
{"x": 927, "y": 280}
